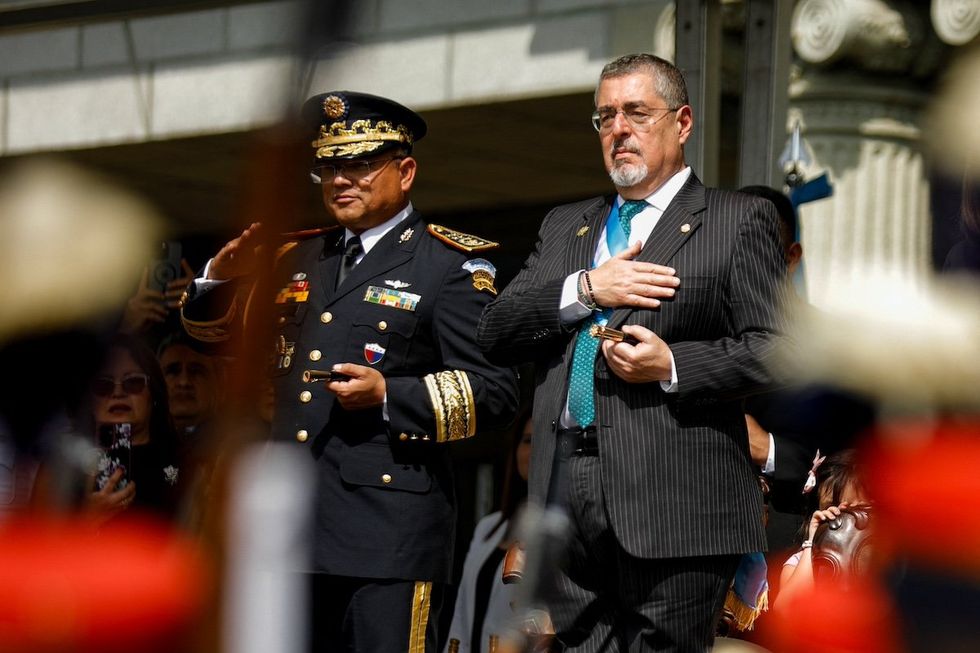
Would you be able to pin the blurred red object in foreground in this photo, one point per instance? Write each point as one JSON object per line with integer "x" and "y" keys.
{"x": 830, "y": 620}
{"x": 135, "y": 585}
{"x": 924, "y": 482}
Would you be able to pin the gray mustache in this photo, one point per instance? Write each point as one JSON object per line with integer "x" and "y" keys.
{"x": 629, "y": 145}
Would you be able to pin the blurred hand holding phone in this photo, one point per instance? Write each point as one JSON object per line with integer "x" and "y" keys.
{"x": 115, "y": 452}
{"x": 160, "y": 290}
{"x": 170, "y": 273}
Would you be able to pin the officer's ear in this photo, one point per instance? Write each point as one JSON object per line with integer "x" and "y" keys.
{"x": 406, "y": 170}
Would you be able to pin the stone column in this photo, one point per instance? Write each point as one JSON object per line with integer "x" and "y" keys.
{"x": 857, "y": 94}
{"x": 954, "y": 140}
{"x": 957, "y": 22}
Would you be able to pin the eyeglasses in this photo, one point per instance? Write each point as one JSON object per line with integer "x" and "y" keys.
{"x": 351, "y": 170}
{"x": 105, "y": 386}
{"x": 640, "y": 118}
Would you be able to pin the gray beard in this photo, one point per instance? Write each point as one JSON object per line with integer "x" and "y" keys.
{"x": 628, "y": 175}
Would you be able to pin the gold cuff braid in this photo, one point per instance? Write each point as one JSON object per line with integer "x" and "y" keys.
{"x": 452, "y": 404}
{"x": 211, "y": 330}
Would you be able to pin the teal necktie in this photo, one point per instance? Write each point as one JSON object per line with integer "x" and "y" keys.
{"x": 581, "y": 382}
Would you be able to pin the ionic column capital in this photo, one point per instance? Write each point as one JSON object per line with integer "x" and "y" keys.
{"x": 872, "y": 34}
{"x": 957, "y": 22}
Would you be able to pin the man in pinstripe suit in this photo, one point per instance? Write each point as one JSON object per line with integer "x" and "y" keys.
{"x": 649, "y": 431}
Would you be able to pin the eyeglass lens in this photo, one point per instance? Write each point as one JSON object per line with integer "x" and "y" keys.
{"x": 104, "y": 386}
{"x": 352, "y": 171}
{"x": 641, "y": 119}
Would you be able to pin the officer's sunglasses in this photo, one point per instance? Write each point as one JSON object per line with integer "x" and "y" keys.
{"x": 133, "y": 384}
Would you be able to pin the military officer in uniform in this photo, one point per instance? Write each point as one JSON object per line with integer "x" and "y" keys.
{"x": 389, "y": 304}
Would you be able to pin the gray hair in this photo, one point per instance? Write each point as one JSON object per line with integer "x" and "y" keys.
{"x": 667, "y": 78}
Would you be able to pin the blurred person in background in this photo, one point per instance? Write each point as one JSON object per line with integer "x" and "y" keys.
{"x": 194, "y": 389}
{"x": 964, "y": 256}
{"x": 792, "y": 427}
{"x": 130, "y": 389}
{"x": 838, "y": 485}
{"x": 483, "y": 602}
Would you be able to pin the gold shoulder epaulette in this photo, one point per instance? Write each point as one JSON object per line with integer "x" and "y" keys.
{"x": 461, "y": 241}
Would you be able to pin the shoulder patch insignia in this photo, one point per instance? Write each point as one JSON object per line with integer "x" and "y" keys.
{"x": 461, "y": 241}
{"x": 483, "y": 273}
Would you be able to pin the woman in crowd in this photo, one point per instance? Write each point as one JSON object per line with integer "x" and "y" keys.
{"x": 130, "y": 389}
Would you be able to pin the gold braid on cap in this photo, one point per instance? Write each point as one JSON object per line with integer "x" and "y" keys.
{"x": 362, "y": 137}
{"x": 452, "y": 404}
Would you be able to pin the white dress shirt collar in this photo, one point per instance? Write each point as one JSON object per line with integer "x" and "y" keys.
{"x": 663, "y": 196}
{"x": 372, "y": 236}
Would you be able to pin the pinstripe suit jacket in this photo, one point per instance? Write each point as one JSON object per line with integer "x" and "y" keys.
{"x": 676, "y": 473}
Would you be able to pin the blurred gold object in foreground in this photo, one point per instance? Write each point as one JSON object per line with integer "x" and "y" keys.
{"x": 71, "y": 245}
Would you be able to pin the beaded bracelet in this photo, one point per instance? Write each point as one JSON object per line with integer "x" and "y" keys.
{"x": 583, "y": 294}
{"x": 588, "y": 286}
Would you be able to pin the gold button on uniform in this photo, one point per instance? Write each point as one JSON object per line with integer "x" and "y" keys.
{"x": 305, "y": 396}
{"x": 326, "y": 316}
{"x": 382, "y": 325}
{"x": 386, "y": 478}
{"x": 316, "y": 355}
{"x": 281, "y": 320}
{"x": 302, "y": 435}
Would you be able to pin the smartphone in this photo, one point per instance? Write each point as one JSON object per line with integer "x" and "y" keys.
{"x": 166, "y": 267}
{"x": 115, "y": 443}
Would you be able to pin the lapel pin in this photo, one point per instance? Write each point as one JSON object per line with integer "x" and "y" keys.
{"x": 406, "y": 235}
{"x": 685, "y": 228}
{"x": 581, "y": 232}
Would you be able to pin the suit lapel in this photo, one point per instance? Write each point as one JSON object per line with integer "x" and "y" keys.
{"x": 585, "y": 234}
{"x": 678, "y": 223}
{"x": 390, "y": 252}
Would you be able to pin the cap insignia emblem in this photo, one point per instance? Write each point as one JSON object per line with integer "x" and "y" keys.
{"x": 334, "y": 107}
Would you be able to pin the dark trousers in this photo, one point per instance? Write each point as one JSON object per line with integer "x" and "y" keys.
{"x": 608, "y": 600}
{"x": 368, "y": 615}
